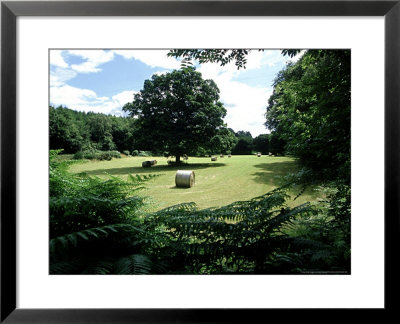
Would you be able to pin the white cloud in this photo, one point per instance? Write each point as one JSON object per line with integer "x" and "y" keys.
{"x": 56, "y": 59}
{"x": 61, "y": 72}
{"x": 274, "y": 57}
{"x": 59, "y": 76}
{"x": 255, "y": 60}
{"x": 87, "y": 100}
{"x": 94, "y": 58}
{"x": 152, "y": 58}
{"x": 71, "y": 96}
{"x": 245, "y": 104}
{"x": 124, "y": 97}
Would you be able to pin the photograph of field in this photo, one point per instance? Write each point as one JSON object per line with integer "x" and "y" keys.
{"x": 199, "y": 161}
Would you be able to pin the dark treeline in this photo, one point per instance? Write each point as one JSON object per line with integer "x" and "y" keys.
{"x": 75, "y": 131}
{"x": 264, "y": 143}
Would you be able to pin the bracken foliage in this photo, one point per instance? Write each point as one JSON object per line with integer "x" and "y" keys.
{"x": 101, "y": 227}
{"x": 239, "y": 238}
{"x": 95, "y": 224}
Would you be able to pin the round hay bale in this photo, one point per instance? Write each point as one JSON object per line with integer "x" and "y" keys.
{"x": 259, "y": 154}
{"x": 146, "y": 164}
{"x": 153, "y": 162}
{"x": 229, "y": 156}
{"x": 222, "y": 155}
{"x": 270, "y": 154}
{"x": 213, "y": 158}
{"x": 184, "y": 178}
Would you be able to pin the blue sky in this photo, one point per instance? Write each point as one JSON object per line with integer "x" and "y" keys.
{"x": 104, "y": 80}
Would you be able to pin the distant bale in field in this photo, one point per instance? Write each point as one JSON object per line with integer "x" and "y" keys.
{"x": 213, "y": 158}
{"x": 222, "y": 155}
{"x": 270, "y": 154}
{"x": 229, "y": 156}
{"x": 184, "y": 178}
{"x": 147, "y": 164}
{"x": 258, "y": 154}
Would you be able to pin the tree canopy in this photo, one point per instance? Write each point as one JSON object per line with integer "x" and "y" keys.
{"x": 222, "y": 56}
{"x": 177, "y": 112}
{"x": 309, "y": 110}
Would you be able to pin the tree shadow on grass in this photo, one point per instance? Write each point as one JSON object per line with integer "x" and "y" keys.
{"x": 154, "y": 169}
{"x": 273, "y": 173}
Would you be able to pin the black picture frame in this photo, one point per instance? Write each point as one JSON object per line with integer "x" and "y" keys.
{"x": 10, "y": 10}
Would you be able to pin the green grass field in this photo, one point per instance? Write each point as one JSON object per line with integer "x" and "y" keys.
{"x": 219, "y": 183}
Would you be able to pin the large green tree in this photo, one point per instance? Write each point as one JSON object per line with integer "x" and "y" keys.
{"x": 177, "y": 112}
{"x": 310, "y": 111}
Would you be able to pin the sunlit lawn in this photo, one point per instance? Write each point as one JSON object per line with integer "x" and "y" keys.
{"x": 219, "y": 183}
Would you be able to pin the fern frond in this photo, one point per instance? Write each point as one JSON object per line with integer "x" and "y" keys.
{"x": 72, "y": 240}
{"x": 99, "y": 267}
{"x": 133, "y": 264}
{"x": 66, "y": 267}
{"x": 320, "y": 255}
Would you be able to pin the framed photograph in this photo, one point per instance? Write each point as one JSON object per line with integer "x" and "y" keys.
{"x": 241, "y": 66}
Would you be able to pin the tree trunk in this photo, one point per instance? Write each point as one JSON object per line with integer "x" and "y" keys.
{"x": 178, "y": 159}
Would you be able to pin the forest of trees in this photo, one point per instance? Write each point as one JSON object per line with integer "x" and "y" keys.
{"x": 96, "y": 226}
{"x": 75, "y": 131}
